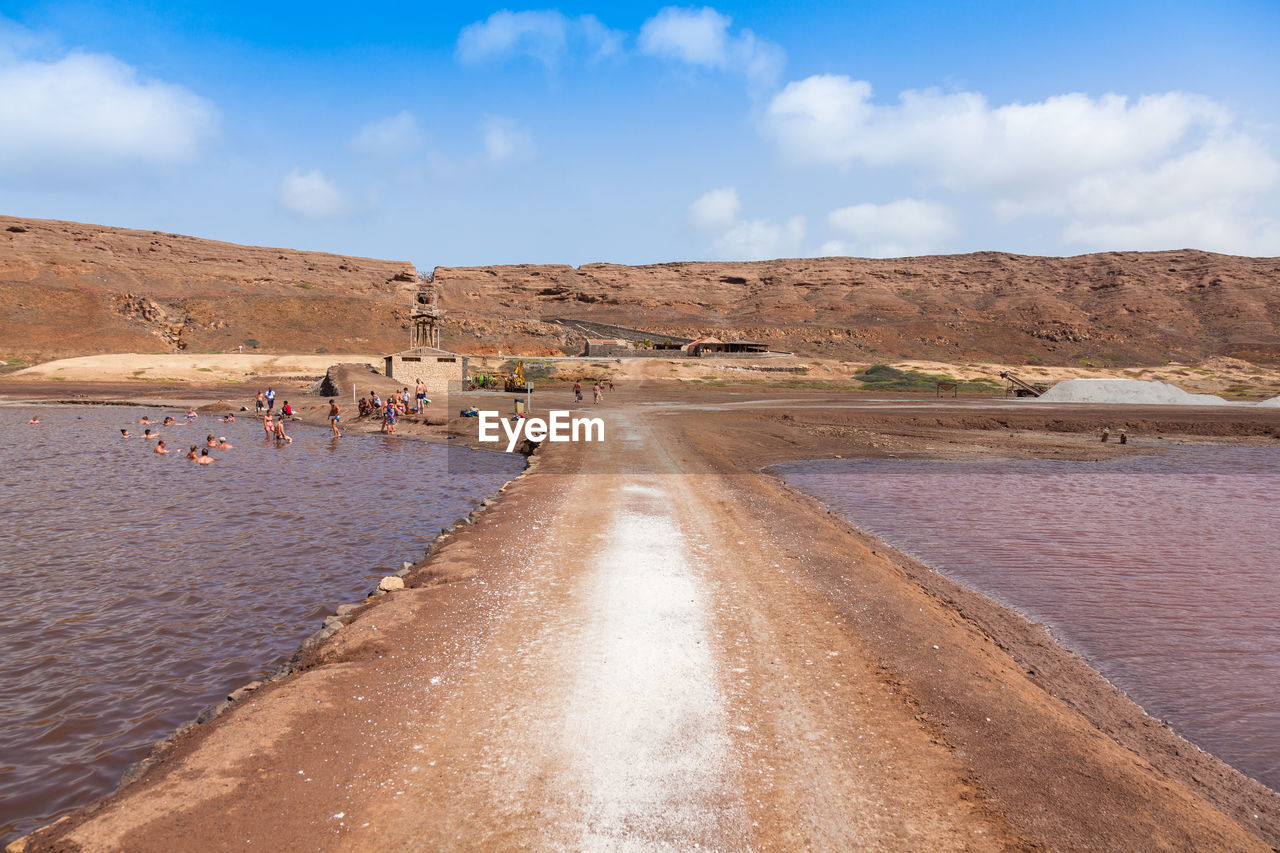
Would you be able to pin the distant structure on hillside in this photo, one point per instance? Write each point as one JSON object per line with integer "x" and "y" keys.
{"x": 425, "y": 314}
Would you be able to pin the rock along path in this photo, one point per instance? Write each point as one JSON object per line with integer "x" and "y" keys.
{"x": 633, "y": 654}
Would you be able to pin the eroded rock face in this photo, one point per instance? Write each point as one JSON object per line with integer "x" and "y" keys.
{"x": 1135, "y": 307}
{"x": 71, "y": 289}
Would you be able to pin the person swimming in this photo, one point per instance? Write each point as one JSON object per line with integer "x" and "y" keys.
{"x": 35, "y": 419}
{"x": 124, "y": 433}
{"x": 192, "y": 454}
{"x": 146, "y": 433}
{"x": 191, "y": 415}
{"x": 222, "y": 443}
{"x": 210, "y": 441}
{"x": 168, "y": 421}
{"x": 160, "y": 447}
{"x": 144, "y": 420}
{"x": 205, "y": 458}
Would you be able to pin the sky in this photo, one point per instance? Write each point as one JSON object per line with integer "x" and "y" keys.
{"x": 632, "y": 133}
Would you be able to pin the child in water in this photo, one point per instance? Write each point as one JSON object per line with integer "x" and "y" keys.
{"x": 191, "y": 454}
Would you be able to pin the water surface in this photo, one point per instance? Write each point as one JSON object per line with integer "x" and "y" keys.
{"x": 1162, "y": 571}
{"x": 135, "y": 588}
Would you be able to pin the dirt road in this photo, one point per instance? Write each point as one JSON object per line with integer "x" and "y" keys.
{"x": 640, "y": 649}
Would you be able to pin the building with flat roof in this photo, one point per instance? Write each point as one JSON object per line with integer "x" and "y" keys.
{"x": 439, "y": 369}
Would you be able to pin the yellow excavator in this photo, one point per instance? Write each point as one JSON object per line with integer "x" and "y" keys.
{"x": 516, "y": 383}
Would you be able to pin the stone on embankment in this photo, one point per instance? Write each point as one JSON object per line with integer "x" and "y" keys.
{"x": 390, "y": 583}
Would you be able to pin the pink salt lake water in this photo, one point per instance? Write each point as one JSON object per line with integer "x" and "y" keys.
{"x": 135, "y": 589}
{"x": 1163, "y": 571}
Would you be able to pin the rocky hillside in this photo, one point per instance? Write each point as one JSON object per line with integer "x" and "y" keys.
{"x": 70, "y": 289}
{"x": 1122, "y": 307}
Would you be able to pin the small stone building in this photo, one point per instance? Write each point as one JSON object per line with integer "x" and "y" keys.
{"x": 441, "y": 370}
{"x": 607, "y": 347}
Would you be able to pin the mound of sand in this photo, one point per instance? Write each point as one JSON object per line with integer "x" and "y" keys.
{"x": 1131, "y": 391}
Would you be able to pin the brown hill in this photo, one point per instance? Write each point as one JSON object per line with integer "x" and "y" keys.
{"x": 1119, "y": 307}
{"x": 71, "y": 289}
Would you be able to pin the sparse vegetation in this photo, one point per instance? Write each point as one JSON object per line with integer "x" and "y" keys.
{"x": 252, "y": 342}
{"x": 303, "y": 285}
{"x": 882, "y": 377}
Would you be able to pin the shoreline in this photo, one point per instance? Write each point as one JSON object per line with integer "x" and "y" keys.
{"x": 288, "y": 661}
{"x": 998, "y": 617}
{"x": 1048, "y": 665}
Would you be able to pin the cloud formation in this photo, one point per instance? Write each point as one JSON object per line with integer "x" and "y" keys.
{"x": 310, "y": 195}
{"x": 547, "y": 36}
{"x": 88, "y": 114}
{"x": 701, "y": 37}
{"x": 740, "y": 239}
{"x": 1163, "y": 171}
{"x": 715, "y": 208}
{"x": 390, "y": 137}
{"x": 897, "y": 229}
{"x": 505, "y": 140}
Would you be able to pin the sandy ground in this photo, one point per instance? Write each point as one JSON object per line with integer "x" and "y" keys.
{"x": 181, "y": 367}
{"x": 1220, "y": 375}
{"x": 645, "y": 644}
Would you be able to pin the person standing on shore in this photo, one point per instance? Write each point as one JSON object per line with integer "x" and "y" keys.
{"x": 271, "y": 399}
{"x": 260, "y": 401}
{"x": 420, "y": 391}
{"x": 335, "y": 415}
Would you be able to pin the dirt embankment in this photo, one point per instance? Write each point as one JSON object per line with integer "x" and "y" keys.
{"x": 791, "y": 683}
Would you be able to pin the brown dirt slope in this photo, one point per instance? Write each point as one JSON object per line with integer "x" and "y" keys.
{"x": 69, "y": 289}
{"x": 1119, "y": 307}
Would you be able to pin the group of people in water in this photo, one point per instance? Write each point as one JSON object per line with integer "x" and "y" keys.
{"x": 273, "y": 427}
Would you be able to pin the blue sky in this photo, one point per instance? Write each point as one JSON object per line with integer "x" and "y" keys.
{"x": 479, "y": 134}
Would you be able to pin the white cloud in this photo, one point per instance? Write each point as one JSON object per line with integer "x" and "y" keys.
{"x": 505, "y": 140}
{"x": 701, "y": 37}
{"x": 897, "y": 229}
{"x": 545, "y": 35}
{"x": 716, "y": 208}
{"x": 390, "y": 137}
{"x": 759, "y": 240}
{"x": 1113, "y": 168}
{"x": 310, "y": 195}
{"x": 742, "y": 239}
{"x": 90, "y": 113}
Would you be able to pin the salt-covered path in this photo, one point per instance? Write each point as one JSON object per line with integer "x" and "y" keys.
{"x": 636, "y": 651}
{"x": 648, "y": 686}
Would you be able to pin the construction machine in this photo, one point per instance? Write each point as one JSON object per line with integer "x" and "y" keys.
{"x": 1019, "y": 388}
{"x": 515, "y": 382}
